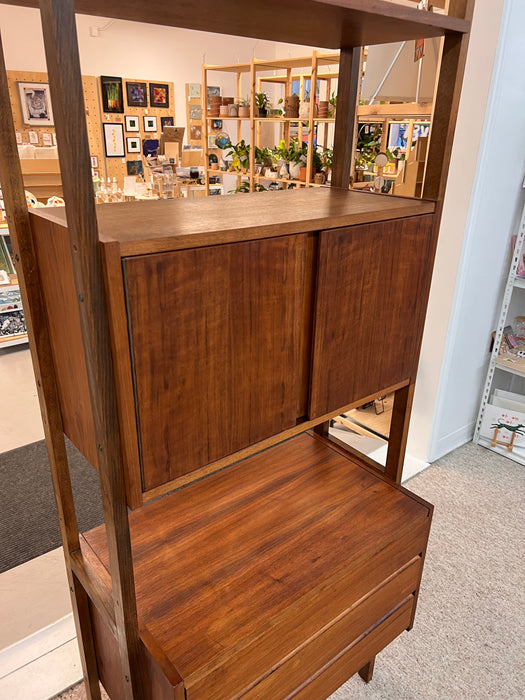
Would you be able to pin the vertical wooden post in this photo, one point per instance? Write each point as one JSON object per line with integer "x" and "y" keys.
{"x": 41, "y": 355}
{"x": 399, "y": 432}
{"x": 205, "y": 127}
{"x": 349, "y": 86}
{"x": 253, "y": 130}
{"x": 60, "y": 40}
{"x": 446, "y": 104}
{"x": 311, "y": 123}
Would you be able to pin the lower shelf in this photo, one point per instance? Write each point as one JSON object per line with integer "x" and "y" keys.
{"x": 288, "y": 570}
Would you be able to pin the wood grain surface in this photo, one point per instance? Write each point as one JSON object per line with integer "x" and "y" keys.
{"x": 324, "y": 23}
{"x": 371, "y": 277}
{"x": 157, "y": 226}
{"x": 249, "y": 555}
{"x": 216, "y": 336}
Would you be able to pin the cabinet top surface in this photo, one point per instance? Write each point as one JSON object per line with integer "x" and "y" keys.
{"x": 324, "y": 23}
{"x": 157, "y": 226}
{"x": 287, "y": 520}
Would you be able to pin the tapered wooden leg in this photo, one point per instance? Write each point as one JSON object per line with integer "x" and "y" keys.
{"x": 322, "y": 428}
{"x": 367, "y": 671}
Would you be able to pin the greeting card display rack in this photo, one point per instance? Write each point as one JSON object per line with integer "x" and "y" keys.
{"x": 259, "y": 558}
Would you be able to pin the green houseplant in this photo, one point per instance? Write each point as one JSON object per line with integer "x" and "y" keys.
{"x": 262, "y": 102}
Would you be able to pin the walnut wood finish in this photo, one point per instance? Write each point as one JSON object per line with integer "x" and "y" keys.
{"x": 43, "y": 367}
{"x": 323, "y": 23}
{"x": 349, "y": 88}
{"x": 216, "y": 345}
{"x": 372, "y": 277}
{"x": 142, "y": 228}
{"x": 60, "y": 41}
{"x": 294, "y": 522}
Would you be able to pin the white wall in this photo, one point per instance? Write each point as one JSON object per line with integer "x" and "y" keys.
{"x": 133, "y": 50}
{"x": 493, "y": 212}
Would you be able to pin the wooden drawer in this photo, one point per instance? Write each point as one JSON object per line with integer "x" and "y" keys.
{"x": 346, "y": 632}
{"x": 356, "y": 655}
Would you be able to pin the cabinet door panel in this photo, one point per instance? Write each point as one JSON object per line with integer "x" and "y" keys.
{"x": 216, "y": 337}
{"x": 370, "y": 304}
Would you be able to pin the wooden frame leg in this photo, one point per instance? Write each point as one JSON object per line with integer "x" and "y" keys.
{"x": 367, "y": 671}
{"x": 399, "y": 432}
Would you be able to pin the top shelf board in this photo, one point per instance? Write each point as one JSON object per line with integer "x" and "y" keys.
{"x": 157, "y": 226}
{"x": 332, "y": 24}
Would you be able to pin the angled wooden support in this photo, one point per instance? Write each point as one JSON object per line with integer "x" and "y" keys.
{"x": 41, "y": 354}
{"x": 60, "y": 40}
{"x": 399, "y": 432}
{"x": 345, "y": 116}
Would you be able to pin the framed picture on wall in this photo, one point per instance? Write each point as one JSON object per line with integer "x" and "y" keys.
{"x": 194, "y": 91}
{"x": 167, "y": 121}
{"x": 150, "y": 123}
{"x": 112, "y": 100}
{"x": 159, "y": 95}
{"x": 133, "y": 144}
{"x": 35, "y": 102}
{"x": 195, "y": 112}
{"x": 137, "y": 94}
{"x": 114, "y": 140}
{"x": 212, "y": 91}
{"x": 134, "y": 167}
{"x": 132, "y": 123}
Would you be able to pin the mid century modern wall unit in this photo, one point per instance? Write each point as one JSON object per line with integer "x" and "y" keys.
{"x": 199, "y": 353}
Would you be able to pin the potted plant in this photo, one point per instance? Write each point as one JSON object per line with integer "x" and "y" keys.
{"x": 327, "y": 157}
{"x": 240, "y": 154}
{"x": 297, "y": 154}
{"x": 244, "y": 108}
{"x": 291, "y": 106}
{"x": 262, "y": 102}
{"x": 332, "y": 105}
{"x": 316, "y": 165}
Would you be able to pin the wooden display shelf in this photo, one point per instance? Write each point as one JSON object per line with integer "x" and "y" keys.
{"x": 514, "y": 365}
{"x": 238, "y": 620}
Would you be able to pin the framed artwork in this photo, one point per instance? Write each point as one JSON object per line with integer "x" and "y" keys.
{"x": 212, "y": 92}
{"x": 195, "y": 112}
{"x": 132, "y": 123}
{"x": 47, "y": 139}
{"x": 35, "y": 101}
{"x": 94, "y": 162}
{"x": 194, "y": 91}
{"x": 159, "y": 95}
{"x": 150, "y": 147}
{"x": 112, "y": 100}
{"x": 114, "y": 140}
{"x": 150, "y": 123}
{"x": 33, "y": 137}
{"x": 195, "y": 133}
{"x": 133, "y": 144}
{"x": 134, "y": 167}
{"x": 167, "y": 121}
{"x": 137, "y": 94}
{"x": 216, "y": 124}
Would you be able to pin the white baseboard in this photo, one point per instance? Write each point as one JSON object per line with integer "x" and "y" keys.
{"x": 43, "y": 664}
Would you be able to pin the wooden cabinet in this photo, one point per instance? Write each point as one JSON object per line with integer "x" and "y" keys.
{"x": 218, "y": 347}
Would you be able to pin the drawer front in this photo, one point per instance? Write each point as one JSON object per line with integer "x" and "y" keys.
{"x": 344, "y": 633}
{"x": 240, "y": 668}
{"x": 354, "y": 657}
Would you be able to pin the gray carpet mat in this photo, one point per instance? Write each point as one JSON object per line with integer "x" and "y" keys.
{"x": 28, "y": 515}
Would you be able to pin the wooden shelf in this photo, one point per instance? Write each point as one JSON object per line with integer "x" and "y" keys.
{"x": 330, "y": 24}
{"x": 261, "y": 577}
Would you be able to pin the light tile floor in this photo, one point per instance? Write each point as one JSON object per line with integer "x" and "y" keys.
{"x": 38, "y": 649}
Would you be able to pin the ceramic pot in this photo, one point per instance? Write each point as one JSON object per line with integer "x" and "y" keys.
{"x": 233, "y": 110}
{"x": 319, "y": 178}
{"x": 294, "y": 169}
{"x": 224, "y": 111}
{"x": 304, "y": 110}
{"x": 262, "y": 113}
{"x": 244, "y": 112}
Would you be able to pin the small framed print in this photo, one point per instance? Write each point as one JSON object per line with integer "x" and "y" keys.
{"x": 134, "y": 167}
{"x": 150, "y": 123}
{"x": 132, "y": 123}
{"x": 47, "y": 139}
{"x": 216, "y": 124}
{"x": 194, "y": 91}
{"x": 94, "y": 162}
{"x": 112, "y": 100}
{"x": 212, "y": 91}
{"x": 166, "y": 121}
{"x": 35, "y": 102}
{"x": 114, "y": 140}
{"x": 137, "y": 94}
{"x": 33, "y": 137}
{"x": 195, "y": 112}
{"x": 195, "y": 133}
{"x": 18, "y": 137}
{"x": 133, "y": 144}
{"x": 159, "y": 95}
